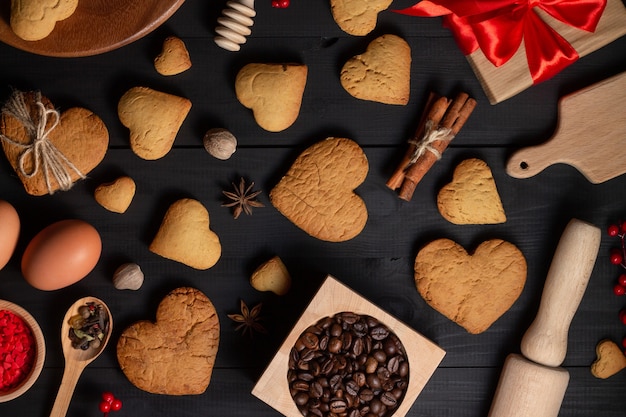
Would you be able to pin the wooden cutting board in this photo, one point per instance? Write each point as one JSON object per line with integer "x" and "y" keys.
{"x": 97, "y": 26}
{"x": 590, "y": 136}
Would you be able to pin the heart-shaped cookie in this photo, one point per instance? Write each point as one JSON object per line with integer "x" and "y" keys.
{"x": 33, "y": 20}
{"x": 317, "y": 193}
{"x": 185, "y": 236}
{"x": 153, "y": 118}
{"x": 273, "y": 92}
{"x": 68, "y": 147}
{"x": 382, "y": 73}
{"x": 610, "y": 360}
{"x": 473, "y": 290}
{"x": 471, "y": 197}
{"x": 116, "y": 196}
{"x": 173, "y": 58}
{"x": 175, "y": 354}
{"x": 357, "y": 17}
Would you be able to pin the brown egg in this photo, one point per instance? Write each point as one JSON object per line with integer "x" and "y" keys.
{"x": 9, "y": 231}
{"x": 61, "y": 254}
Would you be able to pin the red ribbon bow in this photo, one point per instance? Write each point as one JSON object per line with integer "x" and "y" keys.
{"x": 498, "y": 27}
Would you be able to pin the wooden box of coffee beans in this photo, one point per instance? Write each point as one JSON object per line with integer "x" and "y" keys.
{"x": 347, "y": 357}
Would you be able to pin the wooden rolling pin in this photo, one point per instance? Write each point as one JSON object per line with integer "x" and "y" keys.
{"x": 533, "y": 385}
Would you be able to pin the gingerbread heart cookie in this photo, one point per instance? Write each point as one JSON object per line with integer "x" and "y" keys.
{"x": 610, "y": 360}
{"x": 357, "y": 17}
{"x": 382, "y": 73}
{"x": 185, "y": 236}
{"x": 173, "y": 58}
{"x": 317, "y": 193}
{"x": 273, "y": 92}
{"x": 117, "y": 195}
{"x": 175, "y": 354}
{"x": 153, "y": 118}
{"x": 33, "y": 20}
{"x": 473, "y": 290}
{"x": 472, "y": 196}
{"x": 50, "y": 150}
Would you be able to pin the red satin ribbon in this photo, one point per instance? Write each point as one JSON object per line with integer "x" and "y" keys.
{"x": 498, "y": 28}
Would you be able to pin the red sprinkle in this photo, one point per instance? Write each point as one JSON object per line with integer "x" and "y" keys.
{"x": 17, "y": 351}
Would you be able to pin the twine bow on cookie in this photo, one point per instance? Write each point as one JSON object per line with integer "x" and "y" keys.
{"x": 498, "y": 28}
{"x": 40, "y": 150}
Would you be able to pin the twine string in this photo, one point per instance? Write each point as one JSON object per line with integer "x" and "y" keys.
{"x": 431, "y": 134}
{"x": 40, "y": 150}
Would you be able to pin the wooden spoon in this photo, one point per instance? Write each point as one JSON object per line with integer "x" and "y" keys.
{"x": 76, "y": 359}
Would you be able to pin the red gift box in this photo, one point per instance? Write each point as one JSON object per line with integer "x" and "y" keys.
{"x": 514, "y": 44}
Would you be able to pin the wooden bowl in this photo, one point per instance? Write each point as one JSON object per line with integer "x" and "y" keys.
{"x": 334, "y": 297}
{"x": 40, "y": 354}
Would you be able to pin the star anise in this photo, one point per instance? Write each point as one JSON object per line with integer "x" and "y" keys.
{"x": 242, "y": 199}
{"x": 249, "y": 319}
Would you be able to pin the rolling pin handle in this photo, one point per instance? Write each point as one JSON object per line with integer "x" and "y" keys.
{"x": 545, "y": 341}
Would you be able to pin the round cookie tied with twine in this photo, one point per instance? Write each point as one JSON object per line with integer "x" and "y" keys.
{"x": 50, "y": 150}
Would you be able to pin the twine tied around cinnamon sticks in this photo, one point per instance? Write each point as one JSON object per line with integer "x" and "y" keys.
{"x": 40, "y": 149}
{"x": 440, "y": 123}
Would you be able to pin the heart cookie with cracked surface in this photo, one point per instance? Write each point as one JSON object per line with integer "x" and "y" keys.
{"x": 357, "y": 17}
{"x": 472, "y": 196}
{"x": 173, "y": 58}
{"x": 473, "y": 290}
{"x": 317, "y": 192}
{"x": 175, "y": 354}
{"x": 33, "y": 20}
{"x": 184, "y": 236}
{"x": 153, "y": 119}
{"x": 610, "y": 360}
{"x": 382, "y": 73}
{"x": 273, "y": 92}
{"x": 74, "y": 146}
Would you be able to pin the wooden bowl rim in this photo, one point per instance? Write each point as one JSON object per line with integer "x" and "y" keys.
{"x": 40, "y": 356}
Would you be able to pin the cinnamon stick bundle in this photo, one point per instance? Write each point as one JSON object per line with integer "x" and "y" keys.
{"x": 440, "y": 123}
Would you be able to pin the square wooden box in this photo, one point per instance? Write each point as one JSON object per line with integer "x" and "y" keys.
{"x": 334, "y": 297}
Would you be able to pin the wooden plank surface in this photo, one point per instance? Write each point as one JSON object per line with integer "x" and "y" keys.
{"x": 377, "y": 264}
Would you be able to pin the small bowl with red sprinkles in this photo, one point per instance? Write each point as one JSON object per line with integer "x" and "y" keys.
{"x": 22, "y": 351}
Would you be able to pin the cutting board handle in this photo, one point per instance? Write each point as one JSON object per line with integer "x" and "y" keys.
{"x": 545, "y": 341}
{"x": 530, "y": 161}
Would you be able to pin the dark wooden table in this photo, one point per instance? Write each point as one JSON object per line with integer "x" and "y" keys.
{"x": 378, "y": 263}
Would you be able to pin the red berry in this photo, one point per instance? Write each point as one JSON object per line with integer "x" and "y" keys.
{"x": 619, "y": 290}
{"x": 622, "y": 316}
{"x": 616, "y": 257}
{"x": 108, "y": 397}
{"x": 622, "y": 280}
{"x": 116, "y": 405}
{"x": 613, "y": 230}
{"x": 622, "y": 226}
{"x": 275, "y": 3}
{"x": 285, "y": 3}
{"x": 105, "y": 406}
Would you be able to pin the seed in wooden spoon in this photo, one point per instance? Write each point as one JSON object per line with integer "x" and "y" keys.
{"x": 89, "y": 326}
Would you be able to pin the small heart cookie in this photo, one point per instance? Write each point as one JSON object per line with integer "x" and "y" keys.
{"x": 116, "y": 196}
{"x": 175, "y": 354}
{"x": 471, "y": 197}
{"x": 33, "y": 20}
{"x": 273, "y": 92}
{"x": 357, "y": 17}
{"x": 185, "y": 236}
{"x": 153, "y": 118}
{"x": 471, "y": 290}
{"x": 610, "y": 360}
{"x": 382, "y": 73}
{"x": 173, "y": 58}
{"x": 317, "y": 193}
{"x": 71, "y": 146}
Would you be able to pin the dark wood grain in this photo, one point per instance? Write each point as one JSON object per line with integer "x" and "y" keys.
{"x": 377, "y": 264}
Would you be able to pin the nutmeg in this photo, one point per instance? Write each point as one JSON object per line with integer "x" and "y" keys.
{"x": 220, "y": 143}
{"x": 128, "y": 276}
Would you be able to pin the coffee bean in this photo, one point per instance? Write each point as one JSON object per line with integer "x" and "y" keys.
{"x": 347, "y": 365}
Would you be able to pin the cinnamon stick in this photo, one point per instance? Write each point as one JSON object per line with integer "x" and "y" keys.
{"x": 456, "y": 114}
